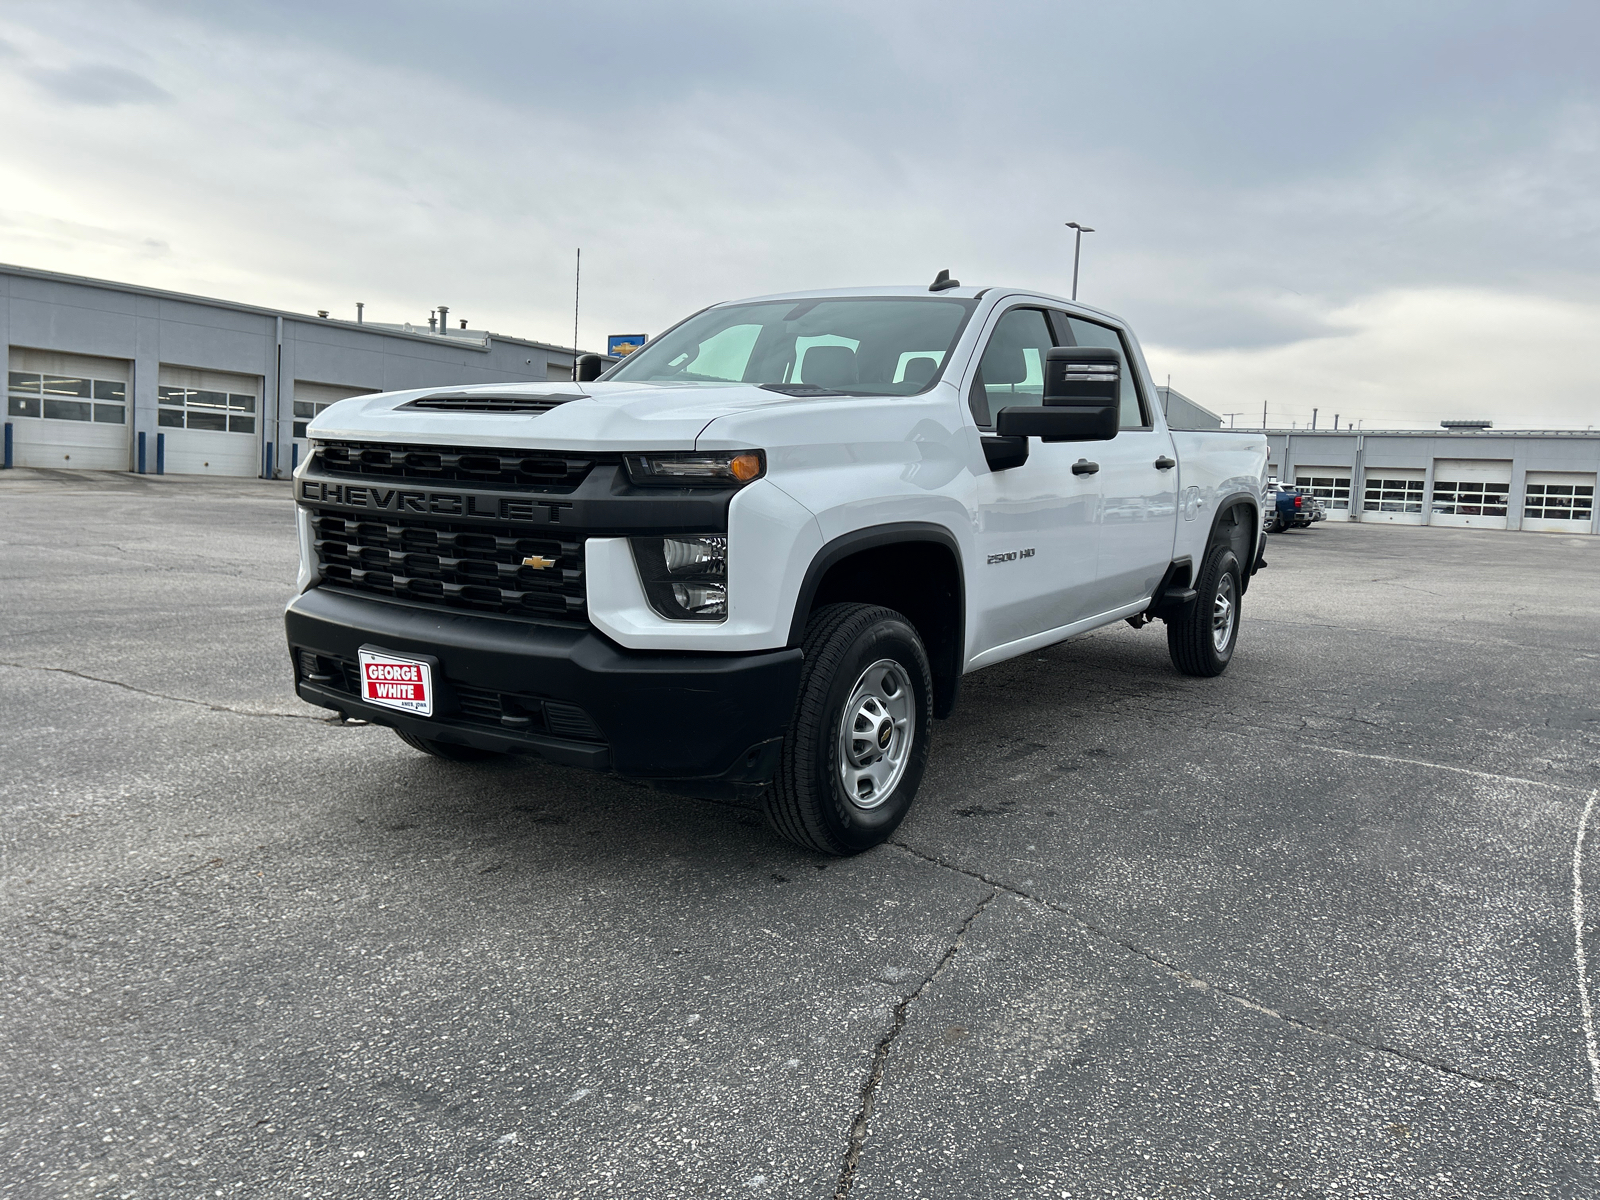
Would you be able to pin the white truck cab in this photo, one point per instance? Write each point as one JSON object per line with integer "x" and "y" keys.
{"x": 758, "y": 555}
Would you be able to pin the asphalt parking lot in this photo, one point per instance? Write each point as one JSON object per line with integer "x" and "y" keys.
{"x": 1306, "y": 930}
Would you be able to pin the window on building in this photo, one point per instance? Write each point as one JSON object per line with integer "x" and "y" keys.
{"x": 1469, "y": 498}
{"x": 66, "y": 398}
{"x": 195, "y": 408}
{"x": 1333, "y": 490}
{"x": 1392, "y": 495}
{"x": 304, "y": 410}
{"x": 1559, "y": 502}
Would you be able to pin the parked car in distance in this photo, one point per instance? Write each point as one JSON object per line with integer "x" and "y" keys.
{"x": 1289, "y": 508}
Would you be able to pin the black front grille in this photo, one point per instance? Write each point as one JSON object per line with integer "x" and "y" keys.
{"x": 503, "y": 712}
{"x": 552, "y": 471}
{"x": 502, "y": 568}
{"x": 476, "y": 402}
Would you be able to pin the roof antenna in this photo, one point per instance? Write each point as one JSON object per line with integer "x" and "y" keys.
{"x": 942, "y": 282}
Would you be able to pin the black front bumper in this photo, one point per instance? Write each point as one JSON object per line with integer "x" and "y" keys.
{"x": 664, "y": 715}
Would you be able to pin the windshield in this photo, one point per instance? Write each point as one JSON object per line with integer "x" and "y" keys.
{"x": 866, "y": 346}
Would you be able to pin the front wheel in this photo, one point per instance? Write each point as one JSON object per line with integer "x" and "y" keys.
{"x": 858, "y": 743}
{"x": 1201, "y": 640}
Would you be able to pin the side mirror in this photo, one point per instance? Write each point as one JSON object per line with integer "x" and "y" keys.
{"x": 588, "y": 367}
{"x": 1003, "y": 453}
{"x": 1082, "y": 398}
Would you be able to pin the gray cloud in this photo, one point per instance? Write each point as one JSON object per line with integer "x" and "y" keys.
{"x": 98, "y": 85}
{"x": 1253, "y": 170}
{"x": 1254, "y": 146}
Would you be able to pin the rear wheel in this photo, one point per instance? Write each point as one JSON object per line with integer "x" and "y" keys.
{"x": 1201, "y": 640}
{"x": 858, "y": 743}
{"x": 446, "y": 750}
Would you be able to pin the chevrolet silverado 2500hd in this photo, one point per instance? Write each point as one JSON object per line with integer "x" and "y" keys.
{"x": 758, "y": 555}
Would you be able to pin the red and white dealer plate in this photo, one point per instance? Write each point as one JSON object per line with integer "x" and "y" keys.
{"x": 394, "y": 682}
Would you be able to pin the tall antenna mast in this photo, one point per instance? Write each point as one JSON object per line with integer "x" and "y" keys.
{"x": 577, "y": 280}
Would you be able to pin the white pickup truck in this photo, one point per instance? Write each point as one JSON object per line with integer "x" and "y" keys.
{"x": 757, "y": 556}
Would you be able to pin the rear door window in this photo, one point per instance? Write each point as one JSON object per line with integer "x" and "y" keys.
{"x": 1089, "y": 333}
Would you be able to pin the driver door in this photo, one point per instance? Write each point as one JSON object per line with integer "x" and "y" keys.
{"x": 1037, "y": 523}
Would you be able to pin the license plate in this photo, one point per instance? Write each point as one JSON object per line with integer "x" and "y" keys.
{"x": 395, "y": 682}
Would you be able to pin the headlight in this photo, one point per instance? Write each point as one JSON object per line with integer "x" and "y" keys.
{"x": 685, "y": 578}
{"x": 679, "y": 468}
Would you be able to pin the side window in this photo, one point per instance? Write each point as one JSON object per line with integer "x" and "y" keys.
{"x": 1011, "y": 372}
{"x": 1087, "y": 333}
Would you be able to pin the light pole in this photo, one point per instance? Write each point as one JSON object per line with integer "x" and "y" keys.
{"x": 1077, "y": 249}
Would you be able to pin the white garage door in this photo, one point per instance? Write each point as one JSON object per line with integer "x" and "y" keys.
{"x": 211, "y": 421}
{"x": 1470, "y": 492}
{"x": 309, "y": 400}
{"x": 1331, "y": 485}
{"x": 1558, "y": 502}
{"x": 68, "y": 410}
{"x": 1393, "y": 494}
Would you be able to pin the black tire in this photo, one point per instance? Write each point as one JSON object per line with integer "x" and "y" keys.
{"x": 1278, "y": 525}
{"x": 446, "y": 750}
{"x": 1193, "y": 635}
{"x": 846, "y": 648}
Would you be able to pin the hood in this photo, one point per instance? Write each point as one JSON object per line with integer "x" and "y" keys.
{"x": 635, "y": 416}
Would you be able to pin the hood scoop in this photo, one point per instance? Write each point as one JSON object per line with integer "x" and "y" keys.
{"x": 800, "y": 389}
{"x": 485, "y": 402}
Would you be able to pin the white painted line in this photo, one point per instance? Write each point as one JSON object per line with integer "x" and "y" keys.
{"x": 1417, "y": 762}
{"x": 1580, "y": 957}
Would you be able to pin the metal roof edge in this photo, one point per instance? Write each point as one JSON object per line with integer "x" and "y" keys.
{"x": 137, "y": 289}
{"x": 1445, "y": 433}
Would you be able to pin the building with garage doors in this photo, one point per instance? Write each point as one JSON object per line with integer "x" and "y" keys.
{"x": 208, "y": 387}
{"x": 1537, "y": 480}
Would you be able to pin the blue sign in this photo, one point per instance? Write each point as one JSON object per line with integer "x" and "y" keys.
{"x": 620, "y": 345}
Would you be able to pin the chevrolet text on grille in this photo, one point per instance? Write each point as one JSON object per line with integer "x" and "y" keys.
{"x": 496, "y": 507}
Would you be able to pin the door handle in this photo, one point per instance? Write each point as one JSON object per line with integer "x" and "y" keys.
{"x": 1164, "y": 463}
{"x": 1084, "y": 467}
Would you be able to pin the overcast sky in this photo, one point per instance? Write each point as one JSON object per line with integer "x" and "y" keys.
{"x": 1389, "y": 211}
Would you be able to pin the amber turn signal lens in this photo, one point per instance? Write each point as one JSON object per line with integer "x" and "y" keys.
{"x": 745, "y": 467}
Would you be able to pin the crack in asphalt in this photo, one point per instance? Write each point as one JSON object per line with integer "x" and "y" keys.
{"x": 880, "y": 1057}
{"x": 1244, "y": 1001}
{"x": 223, "y": 708}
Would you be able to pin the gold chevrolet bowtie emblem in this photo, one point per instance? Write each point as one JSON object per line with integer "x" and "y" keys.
{"x": 538, "y": 563}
